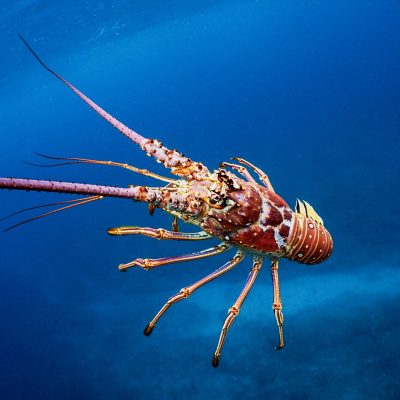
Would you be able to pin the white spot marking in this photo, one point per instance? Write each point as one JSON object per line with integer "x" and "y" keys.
{"x": 278, "y": 238}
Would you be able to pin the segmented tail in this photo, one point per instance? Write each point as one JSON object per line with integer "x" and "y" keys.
{"x": 178, "y": 163}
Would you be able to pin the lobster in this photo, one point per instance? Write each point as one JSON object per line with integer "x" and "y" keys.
{"x": 227, "y": 203}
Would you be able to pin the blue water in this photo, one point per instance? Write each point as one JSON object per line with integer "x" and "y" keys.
{"x": 309, "y": 91}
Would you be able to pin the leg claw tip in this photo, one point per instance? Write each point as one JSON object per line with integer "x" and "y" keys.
{"x": 215, "y": 361}
{"x": 148, "y": 330}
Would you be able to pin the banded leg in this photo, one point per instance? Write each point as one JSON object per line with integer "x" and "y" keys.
{"x": 149, "y": 263}
{"x": 235, "y": 309}
{"x": 187, "y": 291}
{"x": 261, "y": 174}
{"x": 160, "y": 234}
{"x": 242, "y": 170}
{"x": 277, "y": 302}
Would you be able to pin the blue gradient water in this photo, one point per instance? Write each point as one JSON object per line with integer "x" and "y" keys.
{"x": 309, "y": 91}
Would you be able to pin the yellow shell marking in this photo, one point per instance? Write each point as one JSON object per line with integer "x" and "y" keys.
{"x": 304, "y": 208}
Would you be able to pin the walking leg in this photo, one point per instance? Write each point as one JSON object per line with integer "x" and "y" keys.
{"x": 235, "y": 309}
{"x": 277, "y": 302}
{"x": 261, "y": 174}
{"x": 148, "y": 263}
{"x": 189, "y": 290}
{"x": 160, "y": 233}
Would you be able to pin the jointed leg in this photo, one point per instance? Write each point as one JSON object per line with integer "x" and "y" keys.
{"x": 149, "y": 263}
{"x": 277, "y": 303}
{"x": 159, "y": 233}
{"x": 261, "y": 174}
{"x": 235, "y": 309}
{"x": 187, "y": 291}
{"x": 242, "y": 170}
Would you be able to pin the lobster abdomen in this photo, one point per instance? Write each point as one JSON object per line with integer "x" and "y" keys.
{"x": 309, "y": 241}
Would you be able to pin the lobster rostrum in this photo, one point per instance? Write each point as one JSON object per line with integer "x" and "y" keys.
{"x": 244, "y": 214}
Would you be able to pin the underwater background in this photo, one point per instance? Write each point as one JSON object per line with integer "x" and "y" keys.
{"x": 307, "y": 90}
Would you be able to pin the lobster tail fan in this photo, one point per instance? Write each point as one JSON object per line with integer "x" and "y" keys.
{"x": 304, "y": 208}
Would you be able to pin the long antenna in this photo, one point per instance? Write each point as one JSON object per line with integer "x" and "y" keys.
{"x": 134, "y": 136}
{"x": 77, "y": 203}
{"x": 58, "y": 203}
{"x": 179, "y": 164}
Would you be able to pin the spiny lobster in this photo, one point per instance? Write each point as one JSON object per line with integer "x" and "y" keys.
{"x": 242, "y": 213}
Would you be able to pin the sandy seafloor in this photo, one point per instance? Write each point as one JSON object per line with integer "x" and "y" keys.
{"x": 309, "y": 91}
